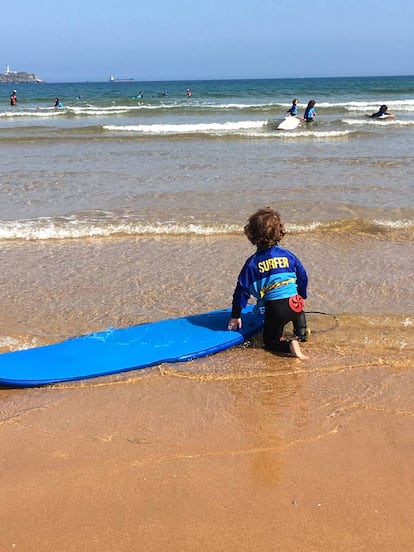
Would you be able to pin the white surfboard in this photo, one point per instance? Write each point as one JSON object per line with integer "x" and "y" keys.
{"x": 289, "y": 123}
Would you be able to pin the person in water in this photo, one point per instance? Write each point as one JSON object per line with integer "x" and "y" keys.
{"x": 13, "y": 98}
{"x": 310, "y": 112}
{"x": 382, "y": 112}
{"x": 278, "y": 280}
{"x": 58, "y": 103}
{"x": 293, "y": 111}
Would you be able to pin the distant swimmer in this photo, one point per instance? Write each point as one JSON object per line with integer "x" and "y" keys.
{"x": 293, "y": 111}
{"x": 140, "y": 94}
{"x": 382, "y": 112}
{"x": 310, "y": 112}
{"x": 58, "y": 103}
{"x": 189, "y": 93}
{"x": 13, "y": 98}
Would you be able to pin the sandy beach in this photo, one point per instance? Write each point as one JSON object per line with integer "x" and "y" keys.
{"x": 243, "y": 450}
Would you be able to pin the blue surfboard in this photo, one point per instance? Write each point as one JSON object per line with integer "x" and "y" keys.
{"x": 119, "y": 350}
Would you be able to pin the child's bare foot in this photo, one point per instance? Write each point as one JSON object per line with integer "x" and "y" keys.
{"x": 295, "y": 350}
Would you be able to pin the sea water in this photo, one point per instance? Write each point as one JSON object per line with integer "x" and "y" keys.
{"x": 117, "y": 209}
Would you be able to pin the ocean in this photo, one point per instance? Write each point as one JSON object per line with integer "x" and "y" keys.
{"x": 118, "y": 210}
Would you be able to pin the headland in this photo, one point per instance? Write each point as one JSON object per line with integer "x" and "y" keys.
{"x": 18, "y": 77}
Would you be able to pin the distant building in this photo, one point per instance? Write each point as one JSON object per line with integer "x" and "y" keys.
{"x": 17, "y": 77}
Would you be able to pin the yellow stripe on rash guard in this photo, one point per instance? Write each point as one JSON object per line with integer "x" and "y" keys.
{"x": 276, "y": 285}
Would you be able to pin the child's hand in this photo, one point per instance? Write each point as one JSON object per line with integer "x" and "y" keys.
{"x": 234, "y": 324}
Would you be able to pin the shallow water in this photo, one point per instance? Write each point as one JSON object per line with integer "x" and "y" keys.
{"x": 114, "y": 210}
{"x": 110, "y": 164}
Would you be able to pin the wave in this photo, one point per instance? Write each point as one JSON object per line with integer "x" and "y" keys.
{"x": 63, "y": 228}
{"x": 196, "y": 109}
{"x": 322, "y": 134}
{"x": 356, "y": 225}
{"x": 396, "y": 105}
{"x": 187, "y": 128}
{"x": 251, "y": 129}
{"x": 378, "y": 122}
{"x": 107, "y": 225}
{"x": 33, "y": 113}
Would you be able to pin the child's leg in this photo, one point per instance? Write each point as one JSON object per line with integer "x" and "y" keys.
{"x": 273, "y": 326}
{"x": 300, "y": 327}
{"x": 276, "y": 316}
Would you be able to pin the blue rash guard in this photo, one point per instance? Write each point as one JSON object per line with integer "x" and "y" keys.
{"x": 269, "y": 274}
{"x": 293, "y": 110}
{"x": 309, "y": 114}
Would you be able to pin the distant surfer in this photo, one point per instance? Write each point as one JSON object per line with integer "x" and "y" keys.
{"x": 293, "y": 111}
{"x": 58, "y": 103}
{"x": 13, "y": 98}
{"x": 382, "y": 112}
{"x": 310, "y": 112}
{"x": 277, "y": 279}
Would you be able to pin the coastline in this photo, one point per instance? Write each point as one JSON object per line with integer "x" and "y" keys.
{"x": 19, "y": 77}
{"x": 240, "y": 450}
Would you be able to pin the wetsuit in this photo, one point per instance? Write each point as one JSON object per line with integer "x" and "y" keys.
{"x": 277, "y": 278}
{"x": 293, "y": 111}
{"x": 309, "y": 114}
{"x": 379, "y": 114}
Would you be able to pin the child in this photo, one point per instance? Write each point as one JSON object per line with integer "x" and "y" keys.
{"x": 310, "y": 112}
{"x": 276, "y": 277}
{"x": 382, "y": 112}
{"x": 293, "y": 111}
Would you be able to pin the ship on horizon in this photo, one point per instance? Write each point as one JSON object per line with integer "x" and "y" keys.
{"x": 121, "y": 79}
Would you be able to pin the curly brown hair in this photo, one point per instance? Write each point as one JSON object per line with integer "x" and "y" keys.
{"x": 265, "y": 228}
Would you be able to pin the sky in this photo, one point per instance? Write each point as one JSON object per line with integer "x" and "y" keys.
{"x": 78, "y": 41}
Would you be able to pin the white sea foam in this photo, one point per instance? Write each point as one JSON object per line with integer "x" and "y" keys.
{"x": 322, "y": 134}
{"x": 395, "y": 224}
{"x": 72, "y": 228}
{"x": 183, "y": 128}
{"x": 33, "y": 113}
{"x": 12, "y": 344}
{"x": 108, "y": 225}
{"x": 370, "y": 107}
{"x": 93, "y": 111}
{"x": 305, "y": 227}
{"x": 376, "y": 122}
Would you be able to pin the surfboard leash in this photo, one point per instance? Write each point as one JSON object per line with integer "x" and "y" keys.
{"x": 333, "y": 327}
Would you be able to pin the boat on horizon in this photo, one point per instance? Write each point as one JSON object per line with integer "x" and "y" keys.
{"x": 123, "y": 79}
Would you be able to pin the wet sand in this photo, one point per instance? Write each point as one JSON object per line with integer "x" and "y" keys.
{"x": 243, "y": 450}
